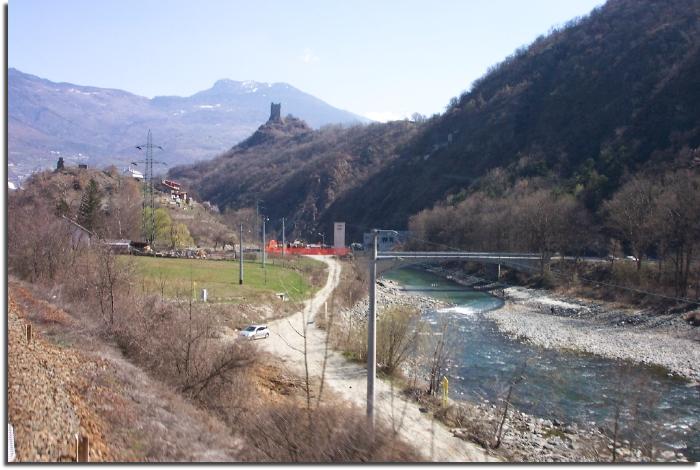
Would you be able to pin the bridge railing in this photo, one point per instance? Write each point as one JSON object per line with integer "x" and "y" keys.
{"x": 448, "y": 255}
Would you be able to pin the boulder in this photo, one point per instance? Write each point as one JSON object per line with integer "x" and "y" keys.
{"x": 693, "y": 318}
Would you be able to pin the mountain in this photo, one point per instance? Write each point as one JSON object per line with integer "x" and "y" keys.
{"x": 608, "y": 95}
{"x": 295, "y": 171}
{"x": 101, "y": 126}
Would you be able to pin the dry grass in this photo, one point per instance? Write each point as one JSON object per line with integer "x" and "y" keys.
{"x": 181, "y": 381}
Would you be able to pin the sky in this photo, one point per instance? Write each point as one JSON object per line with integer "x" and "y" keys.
{"x": 383, "y": 59}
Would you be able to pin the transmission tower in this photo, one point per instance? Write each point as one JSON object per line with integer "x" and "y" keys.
{"x": 148, "y": 218}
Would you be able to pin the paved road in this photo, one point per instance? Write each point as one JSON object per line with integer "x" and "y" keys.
{"x": 349, "y": 380}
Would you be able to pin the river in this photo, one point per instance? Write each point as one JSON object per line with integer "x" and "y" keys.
{"x": 562, "y": 385}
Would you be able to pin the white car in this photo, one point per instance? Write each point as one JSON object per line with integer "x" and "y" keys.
{"x": 255, "y": 332}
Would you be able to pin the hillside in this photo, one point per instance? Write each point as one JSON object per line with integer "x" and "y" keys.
{"x": 102, "y": 126}
{"x": 296, "y": 172}
{"x": 606, "y": 96}
{"x": 65, "y": 382}
{"x": 613, "y": 93}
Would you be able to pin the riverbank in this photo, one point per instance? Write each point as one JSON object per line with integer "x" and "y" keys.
{"x": 530, "y": 438}
{"x": 309, "y": 353}
{"x": 390, "y": 294}
{"x": 553, "y": 321}
{"x": 525, "y": 438}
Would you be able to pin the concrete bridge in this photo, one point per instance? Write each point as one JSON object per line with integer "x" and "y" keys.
{"x": 388, "y": 260}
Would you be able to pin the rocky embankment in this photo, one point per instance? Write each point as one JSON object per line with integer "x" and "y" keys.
{"x": 390, "y": 294}
{"x": 45, "y": 406}
{"x": 527, "y": 438}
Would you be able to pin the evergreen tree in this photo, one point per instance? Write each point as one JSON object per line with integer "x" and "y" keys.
{"x": 89, "y": 206}
{"x": 62, "y": 208}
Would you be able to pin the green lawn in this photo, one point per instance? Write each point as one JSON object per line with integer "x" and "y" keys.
{"x": 183, "y": 277}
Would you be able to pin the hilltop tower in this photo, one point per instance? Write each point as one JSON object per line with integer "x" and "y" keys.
{"x": 275, "y": 112}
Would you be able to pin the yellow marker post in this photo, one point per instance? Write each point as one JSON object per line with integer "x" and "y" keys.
{"x": 445, "y": 386}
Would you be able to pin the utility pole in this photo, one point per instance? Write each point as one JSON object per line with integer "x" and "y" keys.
{"x": 284, "y": 245}
{"x": 240, "y": 257}
{"x": 402, "y": 256}
{"x": 263, "y": 240}
{"x": 257, "y": 219}
{"x": 371, "y": 331}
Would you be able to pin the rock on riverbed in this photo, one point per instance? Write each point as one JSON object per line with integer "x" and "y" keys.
{"x": 390, "y": 294}
{"x": 679, "y": 355}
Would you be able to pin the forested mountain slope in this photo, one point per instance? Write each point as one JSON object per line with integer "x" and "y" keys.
{"x": 292, "y": 171}
{"x": 577, "y": 111}
{"x": 612, "y": 93}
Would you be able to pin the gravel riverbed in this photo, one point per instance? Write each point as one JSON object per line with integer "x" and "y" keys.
{"x": 553, "y": 321}
{"x": 681, "y": 356}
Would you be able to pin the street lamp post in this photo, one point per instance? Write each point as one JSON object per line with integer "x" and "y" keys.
{"x": 240, "y": 257}
{"x": 371, "y": 333}
{"x": 265, "y": 219}
{"x": 283, "y": 240}
{"x": 323, "y": 239}
{"x": 372, "y": 326}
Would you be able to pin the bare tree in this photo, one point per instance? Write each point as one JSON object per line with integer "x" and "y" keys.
{"x": 437, "y": 364}
{"x": 631, "y": 213}
{"x": 679, "y": 223}
{"x": 111, "y": 278}
{"x": 397, "y": 336}
{"x": 518, "y": 377}
{"x": 546, "y": 219}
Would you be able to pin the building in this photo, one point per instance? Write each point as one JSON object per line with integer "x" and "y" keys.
{"x": 339, "y": 235}
{"x": 387, "y": 241}
{"x": 136, "y": 174}
{"x": 275, "y": 112}
{"x": 177, "y": 195}
{"x": 119, "y": 247}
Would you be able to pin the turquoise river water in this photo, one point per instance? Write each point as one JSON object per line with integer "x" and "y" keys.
{"x": 562, "y": 385}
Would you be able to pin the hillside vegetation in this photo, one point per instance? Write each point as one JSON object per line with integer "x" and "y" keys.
{"x": 606, "y": 96}
{"x": 296, "y": 172}
{"x": 149, "y": 374}
{"x": 578, "y": 111}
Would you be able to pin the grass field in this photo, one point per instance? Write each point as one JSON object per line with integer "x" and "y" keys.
{"x": 186, "y": 277}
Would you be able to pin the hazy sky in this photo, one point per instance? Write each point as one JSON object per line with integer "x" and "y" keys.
{"x": 381, "y": 58}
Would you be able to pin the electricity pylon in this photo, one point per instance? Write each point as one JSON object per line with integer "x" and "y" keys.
{"x": 148, "y": 218}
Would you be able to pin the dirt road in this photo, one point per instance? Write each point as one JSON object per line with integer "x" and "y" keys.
{"x": 349, "y": 380}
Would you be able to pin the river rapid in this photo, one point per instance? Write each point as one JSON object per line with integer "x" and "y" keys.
{"x": 559, "y": 385}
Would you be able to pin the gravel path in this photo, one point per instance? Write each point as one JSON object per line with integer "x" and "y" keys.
{"x": 348, "y": 380}
{"x": 519, "y": 317}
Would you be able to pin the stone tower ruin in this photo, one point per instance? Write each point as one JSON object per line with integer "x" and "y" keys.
{"x": 275, "y": 112}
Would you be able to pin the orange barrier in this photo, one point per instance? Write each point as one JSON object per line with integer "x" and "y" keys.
{"x": 308, "y": 251}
